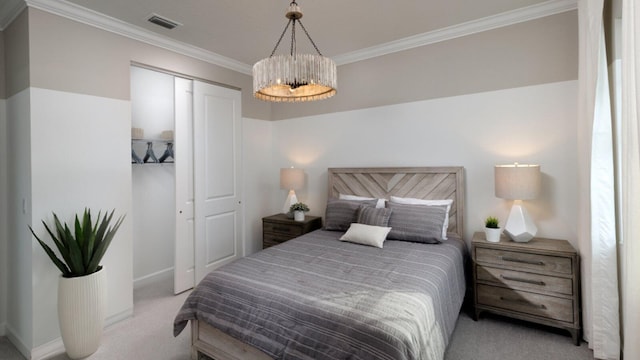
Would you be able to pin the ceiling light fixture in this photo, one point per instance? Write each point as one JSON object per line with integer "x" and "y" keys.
{"x": 294, "y": 77}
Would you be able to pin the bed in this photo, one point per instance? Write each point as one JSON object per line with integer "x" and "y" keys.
{"x": 315, "y": 297}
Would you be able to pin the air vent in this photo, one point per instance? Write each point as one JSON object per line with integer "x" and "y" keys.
{"x": 162, "y": 21}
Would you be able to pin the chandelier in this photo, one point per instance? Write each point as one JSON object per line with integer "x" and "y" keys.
{"x": 294, "y": 77}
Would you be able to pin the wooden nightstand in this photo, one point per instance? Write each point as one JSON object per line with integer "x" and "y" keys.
{"x": 537, "y": 281}
{"x": 279, "y": 228}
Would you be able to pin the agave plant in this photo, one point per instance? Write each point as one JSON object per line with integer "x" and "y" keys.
{"x": 81, "y": 252}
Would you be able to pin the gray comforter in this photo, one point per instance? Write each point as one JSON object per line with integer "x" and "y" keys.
{"x": 315, "y": 297}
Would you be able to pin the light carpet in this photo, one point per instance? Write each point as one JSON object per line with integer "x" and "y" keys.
{"x": 148, "y": 335}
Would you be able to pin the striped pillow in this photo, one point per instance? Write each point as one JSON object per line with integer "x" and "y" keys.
{"x": 341, "y": 213}
{"x": 416, "y": 223}
{"x": 374, "y": 216}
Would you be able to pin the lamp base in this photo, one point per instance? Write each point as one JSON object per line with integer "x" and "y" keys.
{"x": 520, "y": 227}
{"x": 291, "y": 199}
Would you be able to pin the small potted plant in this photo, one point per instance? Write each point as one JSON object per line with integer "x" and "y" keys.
{"x": 298, "y": 209}
{"x": 492, "y": 229}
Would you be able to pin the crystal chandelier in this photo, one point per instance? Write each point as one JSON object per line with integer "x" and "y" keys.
{"x": 294, "y": 77}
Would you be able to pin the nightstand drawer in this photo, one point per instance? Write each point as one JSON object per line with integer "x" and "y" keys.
{"x": 525, "y": 281}
{"x": 520, "y": 260}
{"x": 284, "y": 229}
{"x": 525, "y": 302}
{"x": 272, "y": 240}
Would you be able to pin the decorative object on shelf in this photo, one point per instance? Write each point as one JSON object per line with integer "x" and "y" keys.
{"x": 81, "y": 288}
{"x": 137, "y": 133}
{"x": 518, "y": 182}
{"x": 291, "y": 179}
{"x": 492, "y": 229}
{"x": 150, "y": 155}
{"x": 166, "y": 135}
{"x": 298, "y": 209}
{"x": 294, "y": 77}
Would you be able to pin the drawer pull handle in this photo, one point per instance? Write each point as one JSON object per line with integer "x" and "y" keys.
{"x": 283, "y": 229}
{"x": 523, "y": 302}
{"x": 523, "y": 261}
{"x": 535, "y": 282}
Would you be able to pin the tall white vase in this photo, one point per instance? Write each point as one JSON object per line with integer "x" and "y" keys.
{"x": 81, "y": 313}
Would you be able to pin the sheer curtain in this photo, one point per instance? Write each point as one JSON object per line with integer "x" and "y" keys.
{"x": 630, "y": 192}
{"x": 597, "y": 231}
{"x": 611, "y": 309}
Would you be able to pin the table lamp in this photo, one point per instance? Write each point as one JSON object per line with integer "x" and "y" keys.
{"x": 291, "y": 179}
{"x": 518, "y": 182}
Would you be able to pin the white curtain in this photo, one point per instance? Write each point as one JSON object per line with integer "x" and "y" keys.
{"x": 597, "y": 223}
{"x": 630, "y": 192}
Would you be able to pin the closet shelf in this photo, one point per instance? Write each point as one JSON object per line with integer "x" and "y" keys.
{"x": 150, "y": 155}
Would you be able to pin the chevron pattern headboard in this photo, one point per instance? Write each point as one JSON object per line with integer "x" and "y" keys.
{"x": 414, "y": 182}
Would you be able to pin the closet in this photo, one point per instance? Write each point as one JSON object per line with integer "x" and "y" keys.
{"x": 185, "y": 154}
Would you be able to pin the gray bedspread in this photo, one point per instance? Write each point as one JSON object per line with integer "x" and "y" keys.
{"x": 315, "y": 297}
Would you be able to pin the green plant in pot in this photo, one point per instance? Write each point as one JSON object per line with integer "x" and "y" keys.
{"x": 492, "y": 229}
{"x": 298, "y": 209}
{"x": 81, "y": 288}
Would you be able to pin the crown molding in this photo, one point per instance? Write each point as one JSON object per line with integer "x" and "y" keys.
{"x": 512, "y": 17}
{"x": 10, "y": 12}
{"x": 104, "y": 22}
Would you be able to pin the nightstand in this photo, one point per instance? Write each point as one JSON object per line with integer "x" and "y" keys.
{"x": 537, "y": 281}
{"x": 279, "y": 228}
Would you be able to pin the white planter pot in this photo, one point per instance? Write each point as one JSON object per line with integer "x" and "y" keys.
{"x": 298, "y": 215}
{"x": 81, "y": 313}
{"x": 493, "y": 235}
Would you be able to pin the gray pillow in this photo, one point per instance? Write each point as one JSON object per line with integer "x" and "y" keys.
{"x": 341, "y": 213}
{"x": 416, "y": 223}
{"x": 374, "y": 216}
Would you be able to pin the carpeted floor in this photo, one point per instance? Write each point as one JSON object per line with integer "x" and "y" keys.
{"x": 148, "y": 336}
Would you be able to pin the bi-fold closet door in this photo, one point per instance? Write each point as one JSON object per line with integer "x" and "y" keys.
{"x": 208, "y": 180}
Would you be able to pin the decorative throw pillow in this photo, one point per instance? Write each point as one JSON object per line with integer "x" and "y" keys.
{"x": 341, "y": 213}
{"x": 413, "y": 201}
{"x": 380, "y": 202}
{"x": 417, "y": 223}
{"x": 366, "y": 234}
{"x": 374, "y": 216}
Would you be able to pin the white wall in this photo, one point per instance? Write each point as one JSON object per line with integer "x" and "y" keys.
{"x": 3, "y": 215}
{"x": 80, "y": 151}
{"x": 535, "y": 124}
{"x": 152, "y": 108}
{"x": 259, "y": 175}
{"x": 19, "y": 246}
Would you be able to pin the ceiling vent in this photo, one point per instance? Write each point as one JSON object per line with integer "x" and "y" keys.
{"x": 162, "y": 21}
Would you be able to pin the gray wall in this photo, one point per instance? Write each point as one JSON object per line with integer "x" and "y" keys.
{"x": 530, "y": 53}
{"x": 3, "y": 193}
{"x": 69, "y": 56}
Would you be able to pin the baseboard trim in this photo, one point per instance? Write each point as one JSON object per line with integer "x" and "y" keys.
{"x": 17, "y": 341}
{"x": 56, "y": 346}
{"x": 52, "y": 348}
{"x": 147, "y": 279}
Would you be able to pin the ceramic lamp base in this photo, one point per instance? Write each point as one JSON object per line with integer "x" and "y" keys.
{"x": 291, "y": 199}
{"x": 519, "y": 226}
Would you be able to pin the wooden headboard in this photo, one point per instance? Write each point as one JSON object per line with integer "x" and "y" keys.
{"x": 415, "y": 182}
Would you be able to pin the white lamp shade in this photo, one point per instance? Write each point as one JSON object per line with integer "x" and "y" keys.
{"x": 517, "y": 181}
{"x": 291, "y": 179}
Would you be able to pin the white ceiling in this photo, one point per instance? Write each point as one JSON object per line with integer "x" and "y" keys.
{"x": 247, "y": 30}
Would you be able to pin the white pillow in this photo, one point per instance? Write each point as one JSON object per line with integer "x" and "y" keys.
{"x": 413, "y": 201}
{"x": 379, "y": 204}
{"x": 366, "y": 234}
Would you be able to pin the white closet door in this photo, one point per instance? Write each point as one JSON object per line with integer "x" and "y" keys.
{"x": 184, "y": 274}
{"x": 217, "y": 186}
